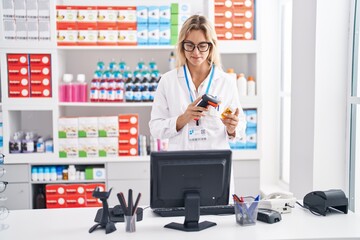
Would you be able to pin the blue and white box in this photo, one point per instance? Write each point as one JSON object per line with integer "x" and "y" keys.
{"x": 142, "y": 14}
{"x": 153, "y": 14}
{"x": 251, "y": 138}
{"x": 251, "y": 118}
{"x": 142, "y": 34}
{"x": 153, "y": 34}
{"x": 164, "y": 34}
{"x": 165, "y": 14}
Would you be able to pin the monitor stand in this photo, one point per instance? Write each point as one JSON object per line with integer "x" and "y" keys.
{"x": 192, "y": 216}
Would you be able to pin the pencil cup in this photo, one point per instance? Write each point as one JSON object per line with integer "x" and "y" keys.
{"x": 246, "y": 212}
{"x": 130, "y": 223}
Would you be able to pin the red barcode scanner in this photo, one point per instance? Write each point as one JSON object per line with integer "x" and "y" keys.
{"x": 205, "y": 101}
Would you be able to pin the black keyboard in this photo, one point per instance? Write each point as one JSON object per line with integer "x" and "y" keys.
{"x": 206, "y": 210}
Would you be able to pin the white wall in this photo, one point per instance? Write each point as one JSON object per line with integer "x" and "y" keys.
{"x": 320, "y": 58}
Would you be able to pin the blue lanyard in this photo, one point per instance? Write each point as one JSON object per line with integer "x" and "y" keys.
{"x": 188, "y": 85}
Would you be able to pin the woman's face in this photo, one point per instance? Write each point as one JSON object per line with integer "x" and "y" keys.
{"x": 197, "y": 41}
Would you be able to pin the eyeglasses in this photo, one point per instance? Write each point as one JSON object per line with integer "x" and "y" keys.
{"x": 2, "y": 171}
{"x": 3, "y": 186}
{"x": 2, "y": 156}
{"x": 202, "y": 46}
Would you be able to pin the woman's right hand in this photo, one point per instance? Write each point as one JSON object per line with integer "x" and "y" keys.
{"x": 192, "y": 112}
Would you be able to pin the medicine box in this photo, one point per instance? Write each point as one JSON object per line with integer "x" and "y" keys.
{"x": 251, "y": 118}
{"x": 251, "y": 139}
{"x": 108, "y": 147}
{"x": 141, "y": 14}
{"x": 108, "y": 126}
{"x": 99, "y": 173}
{"x": 88, "y": 147}
{"x": 68, "y": 148}
{"x": 88, "y": 127}
{"x": 153, "y": 14}
{"x": 164, "y": 14}
{"x": 68, "y": 127}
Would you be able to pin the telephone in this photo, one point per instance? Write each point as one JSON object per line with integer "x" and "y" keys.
{"x": 278, "y": 201}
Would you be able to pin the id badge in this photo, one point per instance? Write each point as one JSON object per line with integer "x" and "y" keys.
{"x": 197, "y": 133}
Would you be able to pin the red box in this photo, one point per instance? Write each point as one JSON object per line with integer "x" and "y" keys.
{"x": 40, "y": 59}
{"x": 39, "y": 70}
{"x": 18, "y": 59}
{"x": 75, "y": 189}
{"x": 19, "y": 81}
{"x": 56, "y": 201}
{"x": 19, "y": 91}
{"x": 40, "y": 91}
{"x": 18, "y": 70}
{"x": 74, "y": 201}
{"x": 89, "y": 188}
{"x": 93, "y": 202}
{"x": 246, "y": 4}
{"x": 243, "y": 13}
{"x": 224, "y": 34}
{"x": 222, "y": 22}
{"x": 243, "y": 34}
{"x": 128, "y": 140}
{"x": 128, "y": 120}
{"x": 55, "y": 189}
{"x": 40, "y": 80}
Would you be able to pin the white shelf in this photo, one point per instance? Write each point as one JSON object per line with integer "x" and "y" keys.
{"x": 25, "y": 46}
{"x": 68, "y": 181}
{"x": 29, "y": 104}
{"x": 105, "y": 104}
{"x": 127, "y": 48}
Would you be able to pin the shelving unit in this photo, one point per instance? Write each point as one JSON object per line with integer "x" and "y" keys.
{"x": 121, "y": 172}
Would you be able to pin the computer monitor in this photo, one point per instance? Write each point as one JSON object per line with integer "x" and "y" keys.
{"x": 190, "y": 179}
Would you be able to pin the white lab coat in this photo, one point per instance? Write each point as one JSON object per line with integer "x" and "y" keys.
{"x": 171, "y": 100}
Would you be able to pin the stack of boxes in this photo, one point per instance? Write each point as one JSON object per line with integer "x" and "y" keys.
{"x": 105, "y": 136}
{"x": 29, "y": 75}
{"x": 234, "y": 19}
{"x": 249, "y": 141}
{"x": 72, "y": 195}
{"x": 179, "y": 13}
{"x": 128, "y": 135}
{"x": 26, "y": 20}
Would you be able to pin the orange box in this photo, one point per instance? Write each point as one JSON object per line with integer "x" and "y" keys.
{"x": 128, "y": 150}
{"x": 55, "y": 189}
{"x": 243, "y": 23}
{"x": 75, "y": 189}
{"x": 89, "y": 188}
{"x": 66, "y": 35}
{"x": 224, "y": 34}
{"x": 222, "y": 22}
{"x": 243, "y": 13}
{"x": 75, "y": 201}
{"x": 107, "y": 16}
{"x": 87, "y": 16}
{"x": 40, "y": 91}
{"x": 40, "y": 59}
{"x": 127, "y": 17}
{"x": 223, "y": 4}
{"x": 87, "y": 35}
{"x": 66, "y": 16}
{"x": 128, "y": 131}
{"x": 128, "y": 140}
{"x": 128, "y": 120}
{"x": 18, "y": 59}
{"x": 243, "y": 4}
{"x": 19, "y": 91}
{"x": 243, "y": 34}
{"x": 107, "y": 35}
{"x": 56, "y": 201}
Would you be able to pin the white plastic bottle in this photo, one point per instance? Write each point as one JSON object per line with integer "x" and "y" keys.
{"x": 242, "y": 85}
{"x": 72, "y": 172}
{"x": 66, "y": 88}
{"x": 251, "y": 86}
{"x": 231, "y": 72}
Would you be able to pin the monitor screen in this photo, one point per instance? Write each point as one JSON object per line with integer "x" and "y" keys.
{"x": 190, "y": 178}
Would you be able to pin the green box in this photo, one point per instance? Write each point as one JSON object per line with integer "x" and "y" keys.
{"x": 89, "y": 173}
{"x": 174, "y": 19}
{"x": 173, "y": 39}
{"x": 174, "y": 29}
{"x": 174, "y": 8}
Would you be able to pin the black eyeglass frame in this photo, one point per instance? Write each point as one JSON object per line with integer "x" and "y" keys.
{"x": 4, "y": 188}
{"x": 209, "y": 45}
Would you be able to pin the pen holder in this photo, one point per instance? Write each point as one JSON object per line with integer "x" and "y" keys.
{"x": 130, "y": 223}
{"x": 246, "y": 212}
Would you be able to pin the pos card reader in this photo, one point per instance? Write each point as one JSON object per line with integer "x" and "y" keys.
{"x": 321, "y": 201}
{"x": 207, "y": 100}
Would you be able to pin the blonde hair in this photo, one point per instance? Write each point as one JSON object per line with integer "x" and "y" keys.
{"x": 198, "y": 22}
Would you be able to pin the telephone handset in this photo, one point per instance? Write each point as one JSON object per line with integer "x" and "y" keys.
{"x": 279, "y": 195}
{"x": 278, "y": 201}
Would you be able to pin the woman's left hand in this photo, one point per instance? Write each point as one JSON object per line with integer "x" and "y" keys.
{"x": 231, "y": 121}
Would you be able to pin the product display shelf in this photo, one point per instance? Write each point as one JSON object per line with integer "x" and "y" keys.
{"x": 106, "y": 104}
{"x": 67, "y": 182}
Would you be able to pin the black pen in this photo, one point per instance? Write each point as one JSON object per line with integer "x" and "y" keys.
{"x": 122, "y": 202}
{"x": 136, "y": 203}
{"x": 130, "y": 202}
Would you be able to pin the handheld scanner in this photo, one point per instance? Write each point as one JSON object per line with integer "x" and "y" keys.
{"x": 207, "y": 100}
